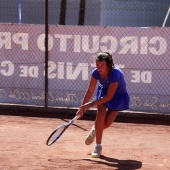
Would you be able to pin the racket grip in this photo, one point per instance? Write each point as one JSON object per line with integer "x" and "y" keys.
{"x": 76, "y": 117}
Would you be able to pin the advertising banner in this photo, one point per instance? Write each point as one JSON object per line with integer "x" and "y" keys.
{"x": 142, "y": 54}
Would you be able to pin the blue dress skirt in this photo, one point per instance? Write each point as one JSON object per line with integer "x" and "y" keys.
{"x": 120, "y": 101}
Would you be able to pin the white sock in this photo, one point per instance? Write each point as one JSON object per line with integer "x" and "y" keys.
{"x": 98, "y": 145}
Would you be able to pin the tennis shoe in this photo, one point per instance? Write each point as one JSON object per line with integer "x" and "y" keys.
{"x": 97, "y": 152}
{"x": 91, "y": 136}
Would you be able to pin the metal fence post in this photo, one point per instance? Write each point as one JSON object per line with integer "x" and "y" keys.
{"x": 46, "y": 53}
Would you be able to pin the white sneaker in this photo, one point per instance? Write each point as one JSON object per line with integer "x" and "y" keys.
{"x": 91, "y": 136}
{"x": 97, "y": 152}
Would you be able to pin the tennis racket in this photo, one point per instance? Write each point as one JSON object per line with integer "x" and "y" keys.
{"x": 56, "y": 134}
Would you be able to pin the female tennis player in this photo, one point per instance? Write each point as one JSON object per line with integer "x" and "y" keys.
{"x": 111, "y": 97}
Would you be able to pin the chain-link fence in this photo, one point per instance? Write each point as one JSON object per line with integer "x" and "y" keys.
{"x": 47, "y": 49}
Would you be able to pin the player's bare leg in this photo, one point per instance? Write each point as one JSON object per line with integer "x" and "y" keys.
{"x": 110, "y": 118}
{"x": 99, "y": 126}
{"x": 100, "y": 122}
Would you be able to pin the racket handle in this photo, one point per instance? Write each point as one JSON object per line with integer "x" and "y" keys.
{"x": 71, "y": 121}
{"x": 76, "y": 117}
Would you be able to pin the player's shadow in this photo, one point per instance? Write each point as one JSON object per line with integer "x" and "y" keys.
{"x": 119, "y": 164}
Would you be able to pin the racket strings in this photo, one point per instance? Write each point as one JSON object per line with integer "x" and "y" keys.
{"x": 56, "y": 134}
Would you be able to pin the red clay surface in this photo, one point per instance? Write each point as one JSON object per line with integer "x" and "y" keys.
{"x": 126, "y": 146}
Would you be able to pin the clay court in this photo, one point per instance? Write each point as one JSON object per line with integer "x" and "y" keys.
{"x": 128, "y": 144}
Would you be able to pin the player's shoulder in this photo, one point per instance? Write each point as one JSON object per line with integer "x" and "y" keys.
{"x": 115, "y": 74}
{"x": 95, "y": 73}
{"x": 94, "y": 70}
{"x": 116, "y": 70}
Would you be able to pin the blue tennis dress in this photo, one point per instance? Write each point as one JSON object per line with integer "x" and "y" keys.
{"x": 120, "y": 100}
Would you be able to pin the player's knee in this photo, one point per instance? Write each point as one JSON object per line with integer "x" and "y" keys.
{"x": 101, "y": 108}
{"x": 106, "y": 125}
{"x": 101, "y": 115}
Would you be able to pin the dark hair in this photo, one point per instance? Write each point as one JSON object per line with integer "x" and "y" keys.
{"x": 105, "y": 56}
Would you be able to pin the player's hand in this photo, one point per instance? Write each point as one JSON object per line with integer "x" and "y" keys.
{"x": 83, "y": 109}
{"x": 79, "y": 113}
{"x": 86, "y": 106}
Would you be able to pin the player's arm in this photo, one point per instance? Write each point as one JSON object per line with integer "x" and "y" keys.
{"x": 90, "y": 90}
{"x": 110, "y": 93}
{"x": 87, "y": 97}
